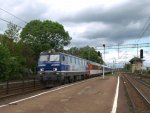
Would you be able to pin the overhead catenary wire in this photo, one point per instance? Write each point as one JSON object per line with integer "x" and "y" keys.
{"x": 139, "y": 36}
{"x": 9, "y": 22}
{"x": 135, "y": 45}
{"x": 125, "y": 46}
{"x": 13, "y": 15}
{"x": 144, "y": 29}
{"x": 144, "y": 26}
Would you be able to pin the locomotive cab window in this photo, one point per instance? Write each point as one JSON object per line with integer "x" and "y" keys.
{"x": 54, "y": 57}
{"x": 44, "y": 58}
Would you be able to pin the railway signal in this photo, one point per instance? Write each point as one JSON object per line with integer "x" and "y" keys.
{"x": 141, "y": 53}
{"x": 99, "y": 54}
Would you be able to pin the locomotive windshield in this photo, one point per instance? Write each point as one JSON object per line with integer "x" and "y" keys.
{"x": 44, "y": 58}
{"x": 54, "y": 57}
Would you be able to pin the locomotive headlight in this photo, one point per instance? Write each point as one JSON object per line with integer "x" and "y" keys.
{"x": 41, "y": 69}
{"x": 55, "y": 69}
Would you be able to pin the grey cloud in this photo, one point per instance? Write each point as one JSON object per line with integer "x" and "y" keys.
{"x": 85, "y": 42}
{"x": 117, "y": 17}
{"x": 117, "y": 33}
{"x": 26, "y": 10}
{"x": 130, "y": 11}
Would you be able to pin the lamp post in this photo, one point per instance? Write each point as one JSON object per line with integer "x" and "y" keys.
{"x": 103, "y": 62}
{"x": 114, "y": 65}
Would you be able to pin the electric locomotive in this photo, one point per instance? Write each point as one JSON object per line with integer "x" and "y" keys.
{"x": 60, "y": 68}
{"x": 63, "y": 68}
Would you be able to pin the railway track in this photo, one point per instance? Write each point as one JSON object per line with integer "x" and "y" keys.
{"x": 143, "y": 81}
{"x": 138, "y": 93}
{"x": 8, "y": 89}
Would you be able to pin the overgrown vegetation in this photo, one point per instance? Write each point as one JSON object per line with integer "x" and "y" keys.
{"x": 128, "y": 67}
{"x": 20, "y": 49}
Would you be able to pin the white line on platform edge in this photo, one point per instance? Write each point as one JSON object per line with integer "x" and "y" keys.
{"x": 62, "y": 87}
{"x": 116, "y": 98}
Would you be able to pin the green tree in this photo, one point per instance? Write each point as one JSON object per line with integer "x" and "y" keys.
{"x": 4, "y": 62}
{"x": 74, "y": 51}
{"x": 14, "y": 62}
{"x": 86, "y": 52}
{"x": 9, "y": 67}
{"x": 45, "y": 35}
{"x": 25, "y": 55}
{"x": 12, "y": 31}
{"x": 127, "y": 67}
{"x": 8, "y": 42}
{"x": 15, "y": 68}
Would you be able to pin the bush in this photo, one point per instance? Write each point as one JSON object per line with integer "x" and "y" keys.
{"x": 4, "y": 62}
{"x": 10, "y": 67}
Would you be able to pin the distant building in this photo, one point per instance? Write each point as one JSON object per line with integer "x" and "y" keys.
{"x": 137, "y": 64}
{"x": 147, "y": 68}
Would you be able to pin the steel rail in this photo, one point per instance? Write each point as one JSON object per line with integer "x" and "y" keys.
{"x": 141, "y": 94}
{"x": 142, "y": 82}
{"x": 133, "y": 104}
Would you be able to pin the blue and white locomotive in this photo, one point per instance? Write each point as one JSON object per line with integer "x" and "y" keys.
{"x": 65, "y": 68}
{"x": 61, "y": 67}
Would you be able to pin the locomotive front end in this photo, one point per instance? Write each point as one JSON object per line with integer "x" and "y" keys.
{"x": 49, "y": 68}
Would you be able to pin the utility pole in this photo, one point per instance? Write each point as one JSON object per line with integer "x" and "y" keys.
{"x": 113, "y": 68}
{"x": 103, "y": 62}
{"x": 137, "y": 50}
{"x": 118, "y": 50}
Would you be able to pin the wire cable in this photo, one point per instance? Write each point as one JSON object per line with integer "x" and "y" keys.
{"x": 9, "y": 22}
{"x": 13, "y": 15}
{"x": 144, "y": 29}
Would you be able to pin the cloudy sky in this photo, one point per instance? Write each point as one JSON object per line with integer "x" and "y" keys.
{"x": 89, "y": 22}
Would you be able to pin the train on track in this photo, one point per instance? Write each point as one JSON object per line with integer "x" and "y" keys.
{"x": 65, "y": 68}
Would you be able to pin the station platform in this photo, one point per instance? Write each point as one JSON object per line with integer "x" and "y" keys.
{"x": 95, "y": 95}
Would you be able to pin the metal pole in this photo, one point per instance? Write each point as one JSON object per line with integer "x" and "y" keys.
{"x": 103, "y": 62}
{"x": 118, "y": 50}
{"x": 137, "y": 50}
{"x": 103, "y": 71}
{"x": 113, "y": 67}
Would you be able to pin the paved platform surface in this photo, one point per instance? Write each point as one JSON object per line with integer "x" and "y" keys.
{"x": 94, "y": 95}
{"x": 123, "y": 103}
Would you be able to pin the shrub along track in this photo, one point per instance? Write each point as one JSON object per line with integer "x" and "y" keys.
{"x": 138, "y": 94}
